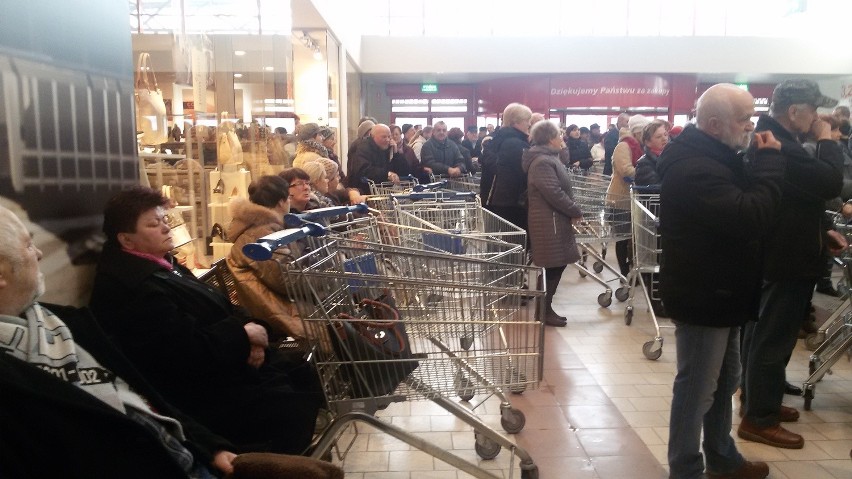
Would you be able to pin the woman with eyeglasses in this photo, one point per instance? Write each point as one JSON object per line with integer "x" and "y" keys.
{"x": 301, "y": 198}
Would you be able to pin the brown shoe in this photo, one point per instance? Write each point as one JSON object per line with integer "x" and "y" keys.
{"x": 749, "y": 470}
{"x": 773, "y": 435}
{"x": 788, "y": 414}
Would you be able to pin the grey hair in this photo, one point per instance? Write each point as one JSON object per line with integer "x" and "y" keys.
{"x": 10, "y": 231}
{"x": 516, "y": 113}
{"x": 543, "y": 132}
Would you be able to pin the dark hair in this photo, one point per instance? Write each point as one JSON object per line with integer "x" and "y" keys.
{"x": 393, "y": 127}
{"x": 652, "y": 128}
{"x": 471, "y": 129}
{"x": 583, "y": 129}
{"x": 455, "y": 134}
{"x": 268, "y": 190}
{"x": 571, "y": 128}
{"x": 483, "y": 128}
{"x": 292, "y": 174}
{"x": 123, "y": 210}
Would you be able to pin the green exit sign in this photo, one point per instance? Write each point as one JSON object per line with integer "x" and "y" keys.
{"x": 429, "y": 88}
{"x": 744, "y": 86}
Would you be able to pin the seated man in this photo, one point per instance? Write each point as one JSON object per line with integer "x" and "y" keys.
{"x": 202, "y": 354}
{"x": 74, "y": 406}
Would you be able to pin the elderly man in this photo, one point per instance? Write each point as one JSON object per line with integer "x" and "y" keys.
{"x": 714, "y": 212}
{"x": 793, "y": 257}
{"x": 442, "y": 155}
{"x": 375, "y": 159}
{"x": 72, "y": 403}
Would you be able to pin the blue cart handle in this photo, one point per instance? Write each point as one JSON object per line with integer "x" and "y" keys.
{"x": 294, "y": 220}
{"x": 435, "y": 195}
{"x": 263, "y": 248}
{"x": 429, "y": 186}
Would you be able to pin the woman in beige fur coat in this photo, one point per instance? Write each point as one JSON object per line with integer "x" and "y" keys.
{"x": 262, "y": 285}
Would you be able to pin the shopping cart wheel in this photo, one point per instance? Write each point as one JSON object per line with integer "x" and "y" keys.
{"x": 809, "y": 396}
{"x": 812, "y": 342}
{"x": 486, "y": 448}
{"x": 531, "y": 473}
{"x": 582, "y": 273}
{"x": 513, "y": 420}
{"x": 628, "y": 315}
{"x": 597, "y": 266}
{"x": 622, "y": 293}
{"x": 605, "y": 299}
{"x": 653, "y": 349}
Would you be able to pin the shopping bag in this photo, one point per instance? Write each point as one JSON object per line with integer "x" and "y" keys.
{"x": 150, "y": 107}
{"x": 374, "y": 350}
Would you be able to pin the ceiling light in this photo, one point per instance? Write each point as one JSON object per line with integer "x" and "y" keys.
{"x": 317, "y": 55}
{"x": 238, "y": 75}
{"x": 239, "y": 53}
{"x": 269, "y": 69}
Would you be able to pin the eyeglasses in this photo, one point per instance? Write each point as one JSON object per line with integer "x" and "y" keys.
{"x": 300, "y": 184}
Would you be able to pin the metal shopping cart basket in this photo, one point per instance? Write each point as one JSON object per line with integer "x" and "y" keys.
{"x": 602, "y": 223}
{"x": 461, "y": 316}
{"x": 836, "y": 341}
{"x": 462, "y": 184}
{"x": 645, "y": 207}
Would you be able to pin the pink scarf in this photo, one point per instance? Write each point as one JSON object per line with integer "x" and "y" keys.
{"x": 159, "y": 260}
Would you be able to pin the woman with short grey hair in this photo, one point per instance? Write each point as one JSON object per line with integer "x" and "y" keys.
{"x": 551, "y": 210}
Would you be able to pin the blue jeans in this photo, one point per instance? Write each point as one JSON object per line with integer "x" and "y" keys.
{"x": 708, "y": 374}
{"x": 767, "y": 345}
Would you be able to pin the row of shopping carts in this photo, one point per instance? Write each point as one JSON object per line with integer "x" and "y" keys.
{"x": 461, "y": 325}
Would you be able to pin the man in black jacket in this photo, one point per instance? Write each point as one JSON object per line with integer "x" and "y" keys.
{"x": 72, "y": 404}
{"x": 375, "y": 158}
{"x": 793, "y": 257}
{"x": 441, "y": 154}
{"x": 713, "y": 212}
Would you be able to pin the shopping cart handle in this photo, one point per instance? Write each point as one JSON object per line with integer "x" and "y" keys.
{"x": 645, "y": 188}
{"x": 401, "y": 178}
{"x": 263, "y": 248}
{"x": 429, "y": 186}
{"x": 435, "y": 195}
{"x": 294, "y": 220}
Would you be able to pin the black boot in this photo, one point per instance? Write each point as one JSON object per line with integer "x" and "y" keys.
{"x": 550, "y": 316}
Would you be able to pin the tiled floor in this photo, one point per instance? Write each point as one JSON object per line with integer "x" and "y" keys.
{"x": 602, "y": 410}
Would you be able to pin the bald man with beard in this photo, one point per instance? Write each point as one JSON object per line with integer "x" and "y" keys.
{"x": 713, "y": 213}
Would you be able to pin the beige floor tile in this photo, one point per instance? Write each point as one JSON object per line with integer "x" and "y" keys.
{"x": 410, "y": 461}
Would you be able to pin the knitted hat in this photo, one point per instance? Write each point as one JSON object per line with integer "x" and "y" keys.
{"x": 637, "y": 122}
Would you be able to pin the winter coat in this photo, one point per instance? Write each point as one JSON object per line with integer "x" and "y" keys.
{"x": 307, "y": 151}
{"x": 52, "y": 428}
{"x": 188, "y": 340}
{"x": 442, "y": 155}
{"x": 510, "y": 179}
{"x": 714, "y": 213}
{"x": 373, "y": 163}
{"x": 579, "y": 152}
{"x": 261, "y": 285}
{"x": 795, "y": 243}
{"x": 646, "y": 169}
{"x": 551, "y": 207}
{"x": 623, "y": 159}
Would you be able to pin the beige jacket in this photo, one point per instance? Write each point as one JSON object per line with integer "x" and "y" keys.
{"x": 618, "y": 192}
{"x": 261, "y": 285}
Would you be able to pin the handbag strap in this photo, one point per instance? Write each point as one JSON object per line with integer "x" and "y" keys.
{"x": 143, "y": 70}
{"x": 360, "y": 325}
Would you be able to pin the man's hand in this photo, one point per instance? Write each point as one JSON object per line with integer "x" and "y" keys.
{"x": 765, "y": 139}
{"x": 836, "y": 243}
{"x": 454, "y": 171}
{"x": 393, "y": 177}
{"x": 821, "y": 130}
{"x": 256, "y": 335}
{"x": 222, "y": 461}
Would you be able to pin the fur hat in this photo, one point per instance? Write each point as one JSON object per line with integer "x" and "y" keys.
{"x": 364, "y": 128}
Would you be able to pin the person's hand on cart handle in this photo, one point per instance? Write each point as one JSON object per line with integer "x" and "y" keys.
{"x": 393, "y": 177}
{"x": 256, "y": 335}
{"x": 765, "y": 139}
{"x": 836, "y": 243}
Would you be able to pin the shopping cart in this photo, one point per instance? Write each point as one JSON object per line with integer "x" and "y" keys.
{"x": 381, "y": 202}
{"x": 461, "y": 214}
{"x": 464, "y": 183}
{"x": 836, "y": 335}
{"x": 601, "y": 224}
{"x": 406, "y": 183}
{"x": 645, "y": 207}
{"x": 463, "y": 318}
